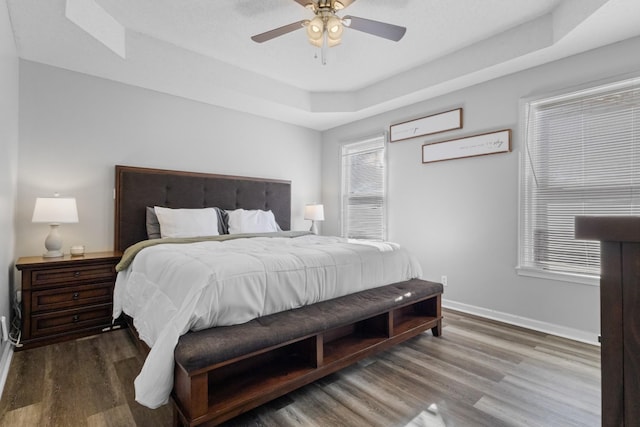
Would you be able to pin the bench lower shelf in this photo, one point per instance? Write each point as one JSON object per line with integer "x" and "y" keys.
{"x": 210, "y": 397}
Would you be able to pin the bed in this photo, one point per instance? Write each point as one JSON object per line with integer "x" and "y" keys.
{"x": 321, "y": 303}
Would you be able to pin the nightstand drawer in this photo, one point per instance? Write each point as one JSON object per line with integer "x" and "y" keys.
{"x": 53, "y": 276}
{"x": 71, "y": 297}
{"x": 70, "y": 320}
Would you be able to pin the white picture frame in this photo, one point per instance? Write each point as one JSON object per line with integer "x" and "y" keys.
{"x": 469, "y": 146}
{"x": 429, "y": 125}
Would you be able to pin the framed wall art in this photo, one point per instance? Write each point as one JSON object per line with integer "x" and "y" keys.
{"x": 470, "y": 146}
{"x": 435, "y": 123}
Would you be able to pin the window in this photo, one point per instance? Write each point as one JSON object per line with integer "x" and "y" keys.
{"x": 364, "y": 189}
{"x": 581, "y": 157}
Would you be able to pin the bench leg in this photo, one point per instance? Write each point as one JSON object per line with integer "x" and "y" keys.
{"x": 437, "y": 330}
{"x": 191, "y": 393}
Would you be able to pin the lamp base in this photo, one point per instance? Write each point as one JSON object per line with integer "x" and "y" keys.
{"x": 53, "y": 254}
{"x": 314, "y": 227}
{"x": 53, "y": 243}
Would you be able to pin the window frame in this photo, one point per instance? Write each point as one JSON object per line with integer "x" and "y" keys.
{"x": 524, "y": 267}
{"x": 383, "y": 137}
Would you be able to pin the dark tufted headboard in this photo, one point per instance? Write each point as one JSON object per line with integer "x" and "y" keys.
{"x": 137, "y": 188}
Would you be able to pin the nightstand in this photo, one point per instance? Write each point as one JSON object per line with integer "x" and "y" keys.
{"x": 67, "y": 297}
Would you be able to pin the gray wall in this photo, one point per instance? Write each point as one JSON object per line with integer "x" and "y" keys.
{"x": 9, "y": 154}
{"x": 74, "y": 128}
{"x": 460, "y": 217}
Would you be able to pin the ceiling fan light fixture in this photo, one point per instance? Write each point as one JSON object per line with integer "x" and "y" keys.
{"x": 315, "y": 28}
{"x": 334, "y": 28}
{"x": 326, "y": 28}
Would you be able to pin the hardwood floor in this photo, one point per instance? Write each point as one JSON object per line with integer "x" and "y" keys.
{"x": 479, "y": 373}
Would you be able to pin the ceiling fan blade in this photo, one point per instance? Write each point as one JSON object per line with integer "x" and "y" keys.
{"x": 346, "y": 3}
{"x": 304, "y": 3}
{"x": 377, "y": 28}
{"x": 277, "y": 32}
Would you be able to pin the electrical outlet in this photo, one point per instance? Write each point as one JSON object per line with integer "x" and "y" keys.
{"x": 443, "y": 280}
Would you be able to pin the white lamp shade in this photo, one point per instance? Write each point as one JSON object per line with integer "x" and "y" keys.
{"x": 314, "y": 212}
{"x": 55, "y": 210}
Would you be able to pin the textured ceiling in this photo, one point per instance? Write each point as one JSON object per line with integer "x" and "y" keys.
{"x": 201, "y": 49}
{"x": 221, "y": 30}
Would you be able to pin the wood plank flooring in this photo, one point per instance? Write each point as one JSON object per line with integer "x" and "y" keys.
{"x": 479, "y": 373}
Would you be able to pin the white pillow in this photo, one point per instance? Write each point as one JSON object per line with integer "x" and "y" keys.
{"x": 187, "y": 222}
{"x": 252, "y": 221}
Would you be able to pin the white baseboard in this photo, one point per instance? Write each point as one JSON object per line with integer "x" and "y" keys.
{"x": 525, "y": 322}
{"x": 5, "y": 363}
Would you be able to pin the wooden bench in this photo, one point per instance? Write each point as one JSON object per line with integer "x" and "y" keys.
{"x": 225, "y": 371}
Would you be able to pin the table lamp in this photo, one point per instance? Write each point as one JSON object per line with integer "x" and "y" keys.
{"x": 55, "y": 211}
{"x": 314, "y": 213}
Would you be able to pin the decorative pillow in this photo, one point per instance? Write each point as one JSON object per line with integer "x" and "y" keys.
{"x": 187, "y": 222}
{"x": 252, "y": 221}
{"x": 153, "y": 226}
{"x": 223, "y": 221}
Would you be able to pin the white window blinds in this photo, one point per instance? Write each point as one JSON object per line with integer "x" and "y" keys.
{"x": 581, "y": 157}
{"x": 364, "y": 189}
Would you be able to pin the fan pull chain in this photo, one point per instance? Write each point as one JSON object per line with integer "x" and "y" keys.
{"x": 324, "y": 47}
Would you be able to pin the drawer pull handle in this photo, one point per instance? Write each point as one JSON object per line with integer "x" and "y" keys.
{"x": 76, "y": 295}
{"x": 76, "y": 274}
{"x": 76, "y": 318}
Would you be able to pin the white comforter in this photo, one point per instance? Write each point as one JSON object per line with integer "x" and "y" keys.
{"x": 170, "y": 289}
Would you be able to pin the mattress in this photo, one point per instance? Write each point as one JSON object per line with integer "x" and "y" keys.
{"x": 171, "y": 288}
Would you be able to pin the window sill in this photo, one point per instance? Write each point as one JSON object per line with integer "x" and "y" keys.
{"x": 563, "y": 277}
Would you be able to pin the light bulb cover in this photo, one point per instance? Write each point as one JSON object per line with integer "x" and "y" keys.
{"x": 315, "y": 29}
{"x": 334, "y": 28}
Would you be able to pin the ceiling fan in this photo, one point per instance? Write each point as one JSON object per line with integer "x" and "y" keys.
{"x": 325, "y": 29}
